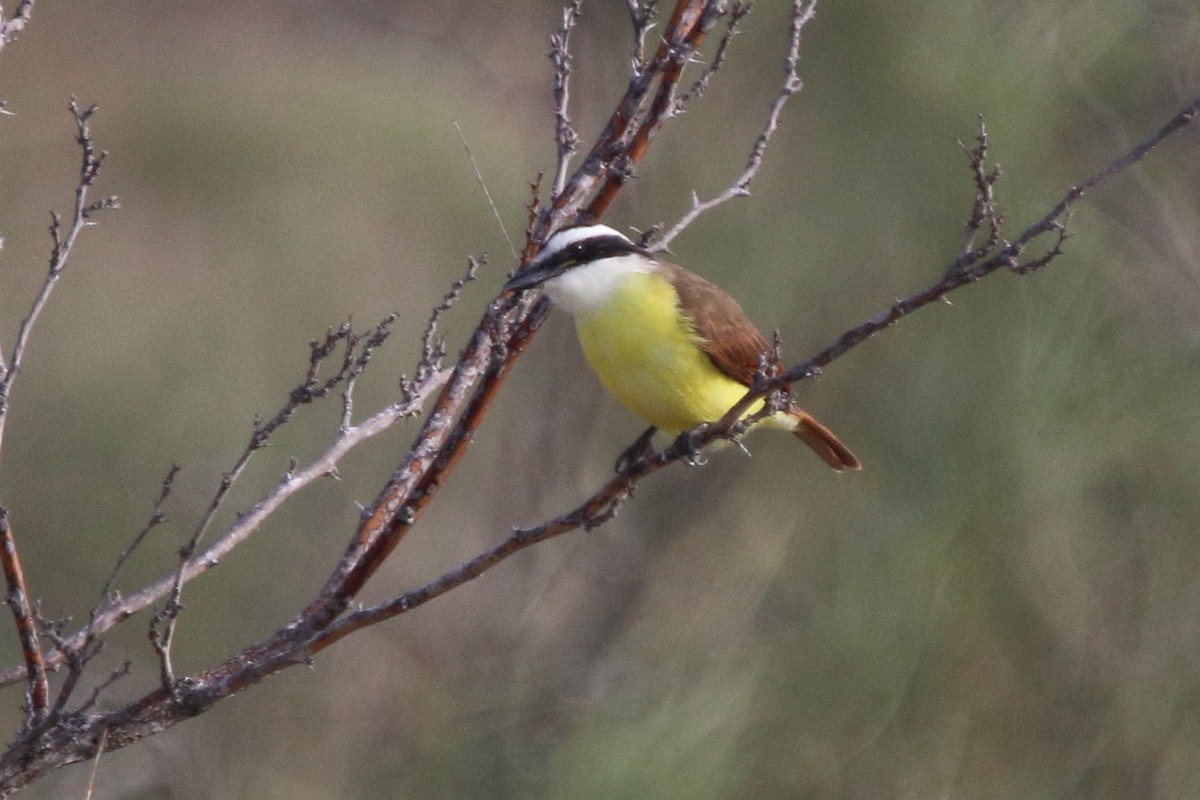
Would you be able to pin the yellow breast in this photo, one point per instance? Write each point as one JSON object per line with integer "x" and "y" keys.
{"x": 648, "y": 356}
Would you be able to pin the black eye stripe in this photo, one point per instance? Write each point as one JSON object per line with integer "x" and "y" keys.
{"x": 593, "y": 249}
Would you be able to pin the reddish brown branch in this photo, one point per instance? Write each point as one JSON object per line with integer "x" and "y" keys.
{"x": 690, "y": 23}
{"x": 22, "y": 611}
{"x": 612, "y": 151}
{"x": 500, "y": 338}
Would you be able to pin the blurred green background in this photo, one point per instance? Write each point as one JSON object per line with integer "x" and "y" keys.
{"x": 1004, "y": 604}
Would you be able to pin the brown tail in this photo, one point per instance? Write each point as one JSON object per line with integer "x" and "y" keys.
{"x": 823, "y": 442}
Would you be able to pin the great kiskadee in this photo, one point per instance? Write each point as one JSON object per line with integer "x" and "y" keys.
{"x": 672, "y": 347}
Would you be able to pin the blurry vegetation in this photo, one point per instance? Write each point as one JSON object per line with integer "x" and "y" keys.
{"x": 1005, "y": 603}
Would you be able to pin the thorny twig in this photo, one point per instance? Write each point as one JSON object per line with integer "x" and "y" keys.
{"x": 736, "y": 13}
{"x": 984, "y": 210}
{"x": 641, "y": 19}
{"x": 1008, "y": 254}
{"x": 565, "y": 137}
{"x": 433, "y": 346}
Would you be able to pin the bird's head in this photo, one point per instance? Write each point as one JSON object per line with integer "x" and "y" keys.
{"x": 569, "y": 248}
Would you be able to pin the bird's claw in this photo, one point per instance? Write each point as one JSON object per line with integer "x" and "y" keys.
{"x": 641, "y": 448}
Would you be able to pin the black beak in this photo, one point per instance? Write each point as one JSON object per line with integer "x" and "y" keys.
{"x": 534, "y": 275}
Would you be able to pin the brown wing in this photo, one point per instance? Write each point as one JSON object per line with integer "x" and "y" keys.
{"x": 734, "y": 345}
{"x": 730, "y": 339}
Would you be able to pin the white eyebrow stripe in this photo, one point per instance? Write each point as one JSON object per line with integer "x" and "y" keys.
{"x": 564, "y": 239}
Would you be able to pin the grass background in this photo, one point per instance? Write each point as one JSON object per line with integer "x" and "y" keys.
{"x": 1004, "y": 603}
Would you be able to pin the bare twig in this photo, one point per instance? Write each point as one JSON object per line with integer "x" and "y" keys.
{"x": 640, "y": 115}
{"x": 120, "y": 609}
{"x": 157, "y": 517}
{"x": 63, "y": 241}
{"x": 560, "y": 56}
{"x": 353, "y": 366}
{"x": 1008, "y": 255}
{"x": 803, "y": 12}
{"x": 76, "y": 658}
{"x": 984, "y": 210}
{"x": 114, "y": 676}
{"x": 162, "y": 635}
{"x": 9, "y": 28}
{"x": 313, "y": 388}
{"x": 433, "y": 347}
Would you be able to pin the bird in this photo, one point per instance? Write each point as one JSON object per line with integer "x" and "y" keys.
{"x": 672, "y": 347}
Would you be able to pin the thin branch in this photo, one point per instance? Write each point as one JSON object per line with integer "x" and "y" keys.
{"x": 122, "y": 608}
{"x": 157, "y": 517}
{"x": 1007, "y": 256}
{"x": 803, "y": 12}
{"x": 114, "y": 676}
{"x": 76, "y": 658}
{"x": 433, "y": 347}
{"x": 565, "y": 137}
{"x": 353, "y": 366}
{"x": 162, "y": 626}
{"x": 984, "y": 210}
{"x": 621, "y": 145}
{"x": 63, "y": 241}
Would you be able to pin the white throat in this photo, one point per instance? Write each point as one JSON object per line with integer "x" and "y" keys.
{"x": 588, "y": 287}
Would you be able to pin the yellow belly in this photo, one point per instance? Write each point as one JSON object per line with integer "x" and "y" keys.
{"x": 647, "y": 355}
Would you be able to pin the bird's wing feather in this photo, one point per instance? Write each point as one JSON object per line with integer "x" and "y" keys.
{"x": 728, "y": 337}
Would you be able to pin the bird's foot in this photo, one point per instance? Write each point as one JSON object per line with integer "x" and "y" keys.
{"x": 695, "y": 456}
{"x": 636, "y": 451}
